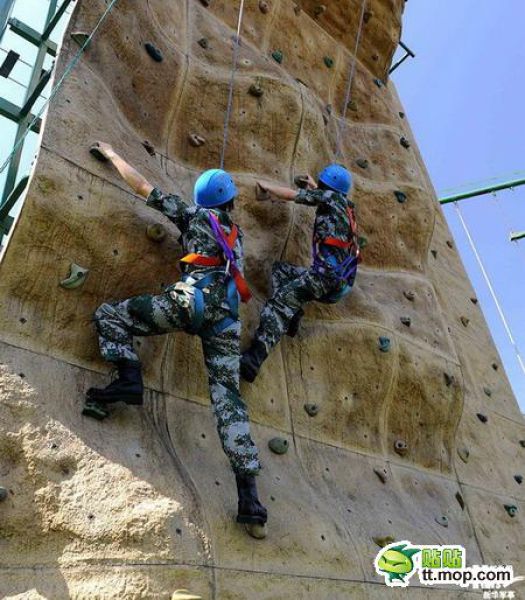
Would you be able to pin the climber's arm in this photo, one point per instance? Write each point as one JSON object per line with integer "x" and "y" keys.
{"x": 283, "y": 193}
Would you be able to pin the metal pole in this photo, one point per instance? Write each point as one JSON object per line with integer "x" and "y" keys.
{"x": 482, "y": 191}
{"x": 517, "y": 235}
{"x": 5, "y": 11}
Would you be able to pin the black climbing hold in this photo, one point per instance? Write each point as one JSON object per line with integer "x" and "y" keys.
{"x": 81, "y": 38}
{"x": 328, "y": 61}
{"x": 400, "y": 447}
{"x": 464, "y": 454}
{"x": 450, "y": 244}
{"x": 460, "y": 500}
{"x": 474, "y": 300}
{"x": 401, "y": 197}
{"x": 383, "y": 541}
{"x": 384, "y": 344}
{"x": 442, "y": 520}
{"x": 96, "y": 153}
{"x": 196, "y": 140}
{"x": 522, "y": 443}
{"x": 23, "y": 320}
{"x": 204, "y": 43}
{"x": 255, "y": 90}
{"x": 206, "y": 3}
{"x": 379, "y": 83}
{"x": 153, "y": 51}
{"x": 368, "y": 15}
{"x": 264, "y": 7}
{"x": 519, "y": 479}
{"x": 362, "y": 162}
{"x": 149, "y": 147}
{"x": 375, "y": 57}
{"x": 381, "y": 474}
{"x": 319, "y": 10}
{"x": 511, "y": 509}
{"x": 329, "y": 108}
{"x": 311, "y": 409}
{"x": 483, "y": 418}
{"x": 156, "y": 232}
{"x": 278, "y": 445}
{"x": 464, "y": 321}
{"x": 297, "y": 9}
{"x": 449, "y": 379}
{"x": 495, "y": 366}
{"x": 402, "y": 114}
{"x": 434, "y": 253}
{"x": 407, "y": 321}
{"x": 404, "y": 142}
{"x": 488, "y": 391}
{"x": 362, "y": 241}
{"x": 95, "y": 410}
{"x": 278, "y": 56}
{"x": 3, "y": 494}
{"x": 301, "y": 181}
{"x": 409, "y": 295}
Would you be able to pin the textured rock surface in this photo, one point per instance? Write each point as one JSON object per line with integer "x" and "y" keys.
{"x": 143, "y": 503}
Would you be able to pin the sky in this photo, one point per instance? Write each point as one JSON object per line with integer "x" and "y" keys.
{"x": 462, "y": 95}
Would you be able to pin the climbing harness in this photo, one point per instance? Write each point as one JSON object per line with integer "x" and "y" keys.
{"x": 348, "y": 93}
{"x": 196, "y": 290}
{"x": 326, "y": 264}
{"x": 227, "y": 116}
{"x": 58, "y": 85}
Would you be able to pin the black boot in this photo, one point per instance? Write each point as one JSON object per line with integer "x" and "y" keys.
{"x": 293, "y": 327}
{"x": 252, "y": 359}
{"x": 128, "y": 386}
{"x": 251, "y": 511}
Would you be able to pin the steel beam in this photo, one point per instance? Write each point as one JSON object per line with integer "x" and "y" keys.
{"x": 12, "y": 112}
{"x": 482, "y": 191}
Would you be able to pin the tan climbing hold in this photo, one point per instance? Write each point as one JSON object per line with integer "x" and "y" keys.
{"x": 156, "y": 232}
{"x": 196, "y": 140}
{"x": 319, "y": 10}
{"x": 264, "y": 7}
{"x": 384, "y": 541}
{"x": 259, "y": 532}
{"x": 184, "y": 595}
{"x": 382, "y": 474}
{"x": 77, "y": 276}
{"x": 401, "y": 447}
{"x": 464, "y": 321}
{"x": 409, "y": 295}
{"x": 464, "y": 454}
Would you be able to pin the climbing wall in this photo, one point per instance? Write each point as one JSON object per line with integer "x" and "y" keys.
{"x": 416, "y": 434}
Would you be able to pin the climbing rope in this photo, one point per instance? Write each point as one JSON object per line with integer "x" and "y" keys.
{"x": 58, "y": 85}
{"x": 227, "y": 116}
{"x": 490, "y": 287}
{"x": 348, "y": 93}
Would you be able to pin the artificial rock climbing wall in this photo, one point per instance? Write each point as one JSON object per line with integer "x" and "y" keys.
{"x": 404, "y": 372}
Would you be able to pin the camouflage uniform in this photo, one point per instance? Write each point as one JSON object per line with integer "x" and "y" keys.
{"x": 294, "y": 286}
{"x": 144, "y": 315}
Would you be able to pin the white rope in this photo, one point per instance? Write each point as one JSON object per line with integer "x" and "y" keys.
{"x": 227, "y": 116}
{"x": 491, "y": 288}
{"x": 57, "y": 87}
{"x": 348, "y": 93}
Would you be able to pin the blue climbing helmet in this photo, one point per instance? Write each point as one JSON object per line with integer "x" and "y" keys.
{"x": 337, "y": 178}
{"x": 214, "y": 187}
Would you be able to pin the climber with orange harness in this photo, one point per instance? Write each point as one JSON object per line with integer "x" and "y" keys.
{"x": 205, "y": 303}
{"x": 335, "y": 252}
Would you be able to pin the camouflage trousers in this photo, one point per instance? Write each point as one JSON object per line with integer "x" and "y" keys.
{"x": 293, "y": 287}
{"x": 117, "y": 323}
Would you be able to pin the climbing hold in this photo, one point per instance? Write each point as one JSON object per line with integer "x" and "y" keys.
{"x": 301, "y": 181}
{"x": 261, "y": 194}
{"x": 488, "y": 391}
{"x": 255, "y": 90}
{"x": 80, "y": 38}
{"x": 460, "y": 500}
{"x": 449, "y": 379}
{"x": 522, "y": 443}
{"x": 368, "y": 15}
{"x": 375, "y": 57}
{"x": 329, "y": 108}
{"x": 264, "y": 7}
{"x": 77, "y": 276}
{"x": 384, "y": 344}
{"x": 95, "y": 410}
{"x": 3, "y": 493}
{"x": 511, "y": 509}
{"x": 278, "y": 445}
{"x": 407, "y": 321}
{"x": 204, "y": 43}
{"x": 153, "y": 51}
{"x": 196, "y": 140}
{"x": 464, "y": 321}
{"x": 311, "y": 409}
{"x": 495, "y": 366}
{"x": 96, "y": 153}
{"x": 409, "y": 295}
{"x": 259, "y": 532}
{"x": 519, "y": 479}
{"x": 319, "y": 10}
{"x": 379, "y": 83}
{"x": 362, "y": 162}
{"x": 150, "y": 148}
{"x": 329, "y": 62}
{"x": 401, "y": 447}
{"x": 434, "y": 253}
{"x": 384, "y": 541}
{"x": 184, "y": 595}
{"x": 362, "y": 241}
{"x": 156, "y": 232}
{"x": 464, "y": 454}
{"x": 206, "y": 3}
{"x": 443, "y": 521}
{"x": 404, "y": 142}
{"x": 352, "y": 105}
{"x": 474, "y": 300}
{"x": 401, "y": 114}
{"x": 278, "y": 56}
{"x": 382, "y": 474}
{"x": 297, "y": 9}
{"x": 401, "y": 197}
{"x": 450, "y": 244}
{"x": 483, "y": 418}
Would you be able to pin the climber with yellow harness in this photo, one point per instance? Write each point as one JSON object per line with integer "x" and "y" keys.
{"x": 205, "y": 303}
{"x": 335, "y": 252}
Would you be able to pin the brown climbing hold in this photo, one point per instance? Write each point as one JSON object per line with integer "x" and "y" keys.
{"x": 264, "y": 7}
{"x": 204, "y": 43}
{"x": 311, "y": 409}
{"x": 156, "y": 232}
{"x": 464, "y": 321}
{"x": 383, "y": 541}
{"x": 407, "y": 321}
{"x": 352, "y": 105}
{"x": 382, "y": 474}
{"x": 368, "y": 15}
{"x": 150, "y": 149}
{"x": 319, "y": 10}
{"x": 261, "y": 194}
{"x": 488, "y": 391}
{"x": 449, "y": 379}
{"x": 460, "y": 500}
{"x": 255, "y": 90}
{"x": 301, "y": 181}
{"x": 464, "y": 454}
{"x": 401, "y": 447}
{"x": 362, "y": 162}
{"x": 375, "y": 57}
{"x": 196, "y": 140}
{"x": 409, "y": 295}
{"x": 483, "y": 418}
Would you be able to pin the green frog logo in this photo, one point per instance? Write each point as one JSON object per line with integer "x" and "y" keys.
{"x": 396, "y": 564}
